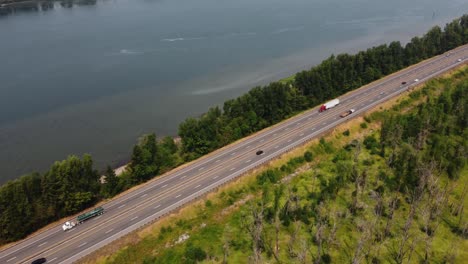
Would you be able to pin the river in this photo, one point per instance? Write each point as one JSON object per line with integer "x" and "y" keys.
{"x": 93, "y": 77}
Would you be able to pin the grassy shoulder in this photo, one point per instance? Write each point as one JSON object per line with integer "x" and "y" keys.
{"x": 337, "y": 203}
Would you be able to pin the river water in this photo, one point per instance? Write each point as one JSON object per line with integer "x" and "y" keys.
{"x": 92, "y": 78}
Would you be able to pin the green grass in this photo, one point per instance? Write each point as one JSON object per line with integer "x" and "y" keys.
{"x": 288, "y": 79}
{"x": 211, "y": 224}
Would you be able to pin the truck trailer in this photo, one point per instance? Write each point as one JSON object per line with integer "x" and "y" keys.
{"x": 83, "y": 217}
{"x": 329, "y": 105}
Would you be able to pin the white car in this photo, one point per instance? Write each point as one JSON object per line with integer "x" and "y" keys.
{"x": 459, "y": 60}
{"x": 68, "y": 225}
{"x": 416, "y": 80}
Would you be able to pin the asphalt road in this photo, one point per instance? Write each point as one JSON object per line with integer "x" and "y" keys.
{"x": 164, "y": 194}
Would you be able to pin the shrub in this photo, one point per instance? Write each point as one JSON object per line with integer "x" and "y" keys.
{"x": 364, "y": 125}
{"x": 308, "y": 156}
{"x": 370, "y": 142}
{"x": 271, "y": 176}
{"x": 346, "y": 133}
{"x": 193, "y": 254}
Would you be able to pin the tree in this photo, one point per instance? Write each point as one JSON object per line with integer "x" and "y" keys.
{"x": 110, "y": 187}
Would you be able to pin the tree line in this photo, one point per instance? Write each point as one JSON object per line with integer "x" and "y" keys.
{"x": 69, "y": 186}
{"x": 264, "y": 106}
{"x": 72, "y": 185}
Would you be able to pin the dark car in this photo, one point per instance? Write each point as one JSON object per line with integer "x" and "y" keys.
{"x": 260, "y": 152}
{"x": 39, "y": 261}
{"x": 403, "y": 83}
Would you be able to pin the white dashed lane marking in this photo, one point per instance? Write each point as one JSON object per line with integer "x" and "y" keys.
{"x": 123, "y": 205}
{"x": 83, "y": 244}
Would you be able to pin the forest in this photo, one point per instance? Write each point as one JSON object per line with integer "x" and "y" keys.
{"x": 389, "y": 190}
{"x": 71, "y": 185}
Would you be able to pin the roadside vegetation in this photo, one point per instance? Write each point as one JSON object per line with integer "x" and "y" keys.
{"x": 69, "y": 186}
{"x": 393, "y": 191}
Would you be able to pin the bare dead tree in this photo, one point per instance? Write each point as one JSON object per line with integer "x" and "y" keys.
{"x": 366, "y": 234}
{"x": 303, "y": 249}
{"x": 227, "y": 238}
{"x": 292, "y": 239}
{"x": 319, "y": 240}
{"x": 394, "y": 139}
{"x": 405, "y": 251}
{"x": 402, "y": 250}
{"x": 276, "y": 207}
{"x": 460, "y": 207}
{"x": 355, "y": 194}
{"x": 268, "y": 245}
{"x": 253, "y": 223}
{"x": 375, "y": 233}
{"x": 437, "y": 200}
{"x": 319, "y": 232}
{"x": 392, "y": 207}
{"x": 357, "y": 179}
{"x": 356, "y": 153}
{"x": 331, "y": 238}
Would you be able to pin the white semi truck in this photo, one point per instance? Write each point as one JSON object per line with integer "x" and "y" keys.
{"x": 329, "y": 105}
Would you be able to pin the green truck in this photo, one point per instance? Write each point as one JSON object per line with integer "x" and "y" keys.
{"x": 83, "y": 217}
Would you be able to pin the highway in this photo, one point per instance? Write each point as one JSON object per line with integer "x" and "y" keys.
{"x": 164, "y": 194}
